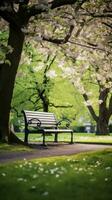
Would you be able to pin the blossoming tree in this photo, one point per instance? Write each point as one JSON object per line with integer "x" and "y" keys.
{"x": 91, "y": 62}
{"x": 17, "y": 14}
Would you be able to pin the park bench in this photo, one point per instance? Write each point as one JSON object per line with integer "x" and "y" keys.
{"x": 44, "y": 123}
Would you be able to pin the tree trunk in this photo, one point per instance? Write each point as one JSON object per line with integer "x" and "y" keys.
{"x": 8, "y": 72}
{"x": 45, "y": 102}
{"x": 102, "y": 127}
{"x": 103, "y": 119}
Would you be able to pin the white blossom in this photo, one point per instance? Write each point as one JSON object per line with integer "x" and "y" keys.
{"x": 61, "y": 64}
{"x": 38, "y": 67}
{"x": 24, "y": 30}
{"x": 88, "y": 103}
{"x": 100, "y": 101}
{"x": 51, "y": 74}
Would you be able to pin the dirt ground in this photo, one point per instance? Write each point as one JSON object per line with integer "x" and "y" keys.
{"x": 51, "y": 149}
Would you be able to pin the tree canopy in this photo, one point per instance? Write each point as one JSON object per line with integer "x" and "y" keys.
{"x": 66, "y": 23}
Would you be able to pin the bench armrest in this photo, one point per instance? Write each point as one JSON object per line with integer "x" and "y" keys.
{"x": 33, "y": 120}
{"x": 64, "y": 120}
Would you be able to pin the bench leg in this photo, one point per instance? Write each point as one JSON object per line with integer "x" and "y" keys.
{"x": 56, "y": 137}
{"x": 44, "y": 140}
{"x": 26, "y": 137}
{"x": 71, "y": 138}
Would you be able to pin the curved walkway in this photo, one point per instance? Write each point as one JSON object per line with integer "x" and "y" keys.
{"x": 51, "y": 150}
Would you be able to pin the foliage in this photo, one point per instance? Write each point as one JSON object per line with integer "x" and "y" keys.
{"x": 90, "y": 66}
{"x": 3, "y": 47}
{"x": 41, "y": 72}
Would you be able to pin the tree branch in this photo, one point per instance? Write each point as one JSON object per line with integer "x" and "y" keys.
{"x": 110, "y": 106}
{"x": 90, "y": 108}
{"x": 9, "y": 14}
{"x": 60, "y": 41}
{"x": 15, "y": 110}
{"x": 88, "y": 46}
{"x": 107, "y": 24}
{"x": 60, "y": 106}
{"x": 59, "y": 3}
{"x": 45, "y": 7}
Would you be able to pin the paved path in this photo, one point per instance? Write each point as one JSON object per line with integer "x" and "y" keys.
{"x": 51, "y": 150}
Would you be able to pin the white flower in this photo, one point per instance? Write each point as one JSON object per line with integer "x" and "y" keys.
{"x": 3, "y": 174}
{"x": 90, "y": 173}
{"x": 33, "y": 187}
{"x": 57, "y": 175}
{"x": 41, "y": 169}
{"x": 80, "y": 169}
{"x": 45, "y": 193}
{"x": 52, "y": 171}
{"x": 35, "y": 176}
{"x": 68, "y": 159}
{"x": 40, "y": 164}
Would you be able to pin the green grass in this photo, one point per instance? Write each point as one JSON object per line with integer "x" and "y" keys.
{"x": 92, "y": 138}
{"x": 86, "y": 176}
{"x": 78, "y": 137}
{"x": 13, "y": 148}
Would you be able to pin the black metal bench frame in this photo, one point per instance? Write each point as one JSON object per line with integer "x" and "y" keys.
{"x": 44, "y": 123}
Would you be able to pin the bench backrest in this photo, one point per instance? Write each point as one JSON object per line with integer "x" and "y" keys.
{"x": 48, "y": 120}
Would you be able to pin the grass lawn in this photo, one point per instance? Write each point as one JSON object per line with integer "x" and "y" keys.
{"x": 78, "y": 137}
{"x": 13, "y": 148}
{"x": 86, "y": 176}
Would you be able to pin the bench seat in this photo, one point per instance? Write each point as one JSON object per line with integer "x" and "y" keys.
{"x": 44, "y": 123}
{"x": 57, "y": 130}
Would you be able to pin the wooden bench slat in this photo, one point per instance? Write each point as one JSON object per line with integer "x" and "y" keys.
{"x": 41, "y": 116}
{"x": 42, "y": 119}
{"x": 39, "y": 113}
{"x": 58, "y": 130}
{"x": 43, "y": 125}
